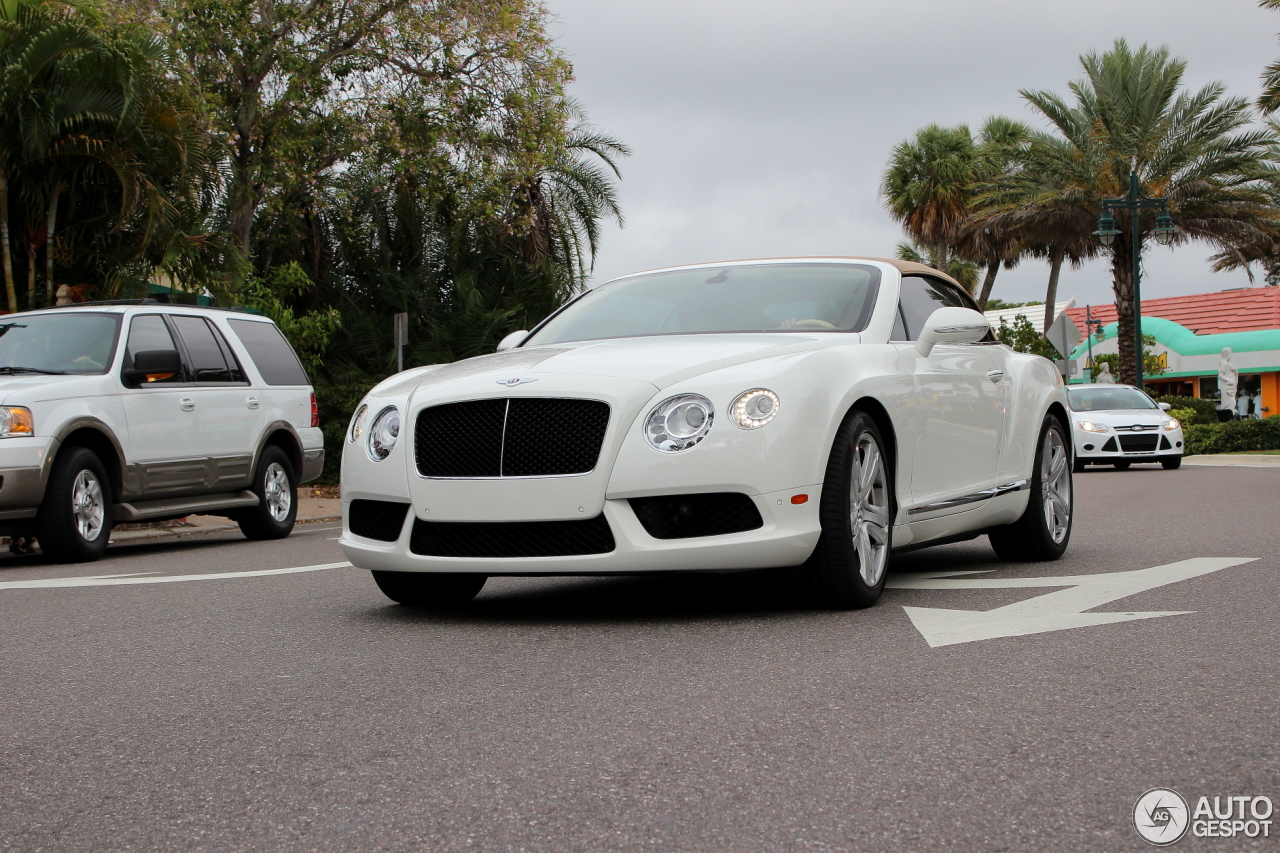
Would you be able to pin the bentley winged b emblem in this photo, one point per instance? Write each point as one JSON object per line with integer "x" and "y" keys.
{"x": 516, "y": 380}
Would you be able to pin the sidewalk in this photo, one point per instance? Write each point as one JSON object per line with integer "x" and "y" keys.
{"x": 310, "y": 511}
{"x": 1243, "y": 460}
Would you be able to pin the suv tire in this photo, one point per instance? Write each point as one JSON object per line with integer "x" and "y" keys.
{"x": 277, "y": 492}
{"x": 73, "y": 524}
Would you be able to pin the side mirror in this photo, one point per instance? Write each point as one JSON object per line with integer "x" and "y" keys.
{"x": 952, "y": 326}
{"x": 154, "y": 362}
{"x": 1165, "y": 407}
{"x": 512, "y": 340}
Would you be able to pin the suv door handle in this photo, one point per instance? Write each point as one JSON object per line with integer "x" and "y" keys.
{"x": 995, "y": 375}
{"x": 251, "y": 402}
{"x": 187, "y": 404}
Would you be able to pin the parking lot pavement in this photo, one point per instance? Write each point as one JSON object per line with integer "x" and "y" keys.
{"x": 217, "y": 702}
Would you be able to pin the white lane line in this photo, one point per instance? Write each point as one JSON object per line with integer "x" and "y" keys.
{"x": 125, "y": 580}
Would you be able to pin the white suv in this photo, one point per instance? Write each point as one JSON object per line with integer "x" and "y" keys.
{"x": 126, "y": 412}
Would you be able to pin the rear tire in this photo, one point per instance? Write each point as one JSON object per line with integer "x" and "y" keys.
{"x": 73, "y": 524}
{"x": 851, "y": 561}
{"x": 1172, "y": 464}
{"x": 277, "y": 492}
{"x": 1043, "y": 531}
{"x": 1122, "y": 466}
{"x": 436, "y": 590}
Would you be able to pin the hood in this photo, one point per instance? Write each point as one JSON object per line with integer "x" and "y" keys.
{"x": 1113, "y": 417}
{"x": 23, "y": 388}
{"x": 659, "y": 361}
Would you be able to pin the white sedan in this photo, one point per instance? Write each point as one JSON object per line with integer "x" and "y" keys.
{"x": 1119, "y": 425}
{"x": 816, "y": 412}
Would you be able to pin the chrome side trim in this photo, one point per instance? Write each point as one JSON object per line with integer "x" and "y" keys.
{"x": 975, "y": 497}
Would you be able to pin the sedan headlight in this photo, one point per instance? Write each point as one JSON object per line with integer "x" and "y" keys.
{"x": 678, "y": 423}
{"x": 15, "y": 421}
{"x": 1090, "y": 426}
{"x": 753, "y": 409}
{"x": 1172, "y": 424}
{"x": 383, "y": 433}
{"x": 358, "y": 424}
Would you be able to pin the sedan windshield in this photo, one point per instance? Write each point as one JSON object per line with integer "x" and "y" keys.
{"x": 57, "y": 343}
{"x": 1106, "y": 399}
{"x": 751, "y": 298}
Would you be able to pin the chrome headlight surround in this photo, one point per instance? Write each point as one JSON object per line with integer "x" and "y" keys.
{"x": 1172, "y": 424}
{"x": 383, "y": 434}
{"x": 16, "y": 421}
{"x": 358, "y": 423}
{"x": 1090, "y": 426}
{"x": 679, "y": 423}
{"x": 753, "y": 409}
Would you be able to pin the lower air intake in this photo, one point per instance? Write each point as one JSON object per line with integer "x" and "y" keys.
{"x": 381, "y": 520}
{"x": 690, "y": 516}
{"x": 510, "y": 539}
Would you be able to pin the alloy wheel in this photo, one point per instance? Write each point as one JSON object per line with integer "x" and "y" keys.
{"x": 1055, "y": 483}
{"x": 276, "y": 490}
{"x": 869, "y": 509}
{"x": 86, "y": 505}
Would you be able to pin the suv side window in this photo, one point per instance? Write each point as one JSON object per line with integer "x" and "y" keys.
{"x": 922, "y": 296}
{"x": 149, "y": 332}
{"x": 207, "y": 354}
{"x": 270, "y": 351}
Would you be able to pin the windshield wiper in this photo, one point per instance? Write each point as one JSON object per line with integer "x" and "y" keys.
{"x": 33, "y": 370}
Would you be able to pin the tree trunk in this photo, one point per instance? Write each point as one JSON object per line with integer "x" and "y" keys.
{"x": 50, "y": 228}
{"x": 1122, "y": 284}
{"x": 1056, "y": 257}
{"x": 31, "y": 275}
{"x": 987, "y": 283}
{"x": 10, "y": 291}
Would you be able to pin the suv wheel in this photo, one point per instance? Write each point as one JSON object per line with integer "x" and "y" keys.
{"x": 74, "y": 521}
{"x": 277, "y": 507}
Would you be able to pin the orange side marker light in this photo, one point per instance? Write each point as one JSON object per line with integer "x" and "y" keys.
{"x": 799, "y": 499}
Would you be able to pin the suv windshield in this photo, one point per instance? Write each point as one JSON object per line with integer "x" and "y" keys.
{"x": 57, "y": 343}
{"x": 1102, "y": 399}
{"x": 753, "y": 298}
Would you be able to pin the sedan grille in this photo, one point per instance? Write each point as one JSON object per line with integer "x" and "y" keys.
{"x": 1138, "y": 443}
{"x": 516, "y": 437}
{"x": 511, "y": 538}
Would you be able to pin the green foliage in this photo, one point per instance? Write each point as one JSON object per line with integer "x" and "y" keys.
{"x": 1151, "y": 365}
{"x": 1202, "y": 411}
{"x": 962, "y": 271}
{"x": 337, "y": 403}
{"x": 1186, "y": 417}
{"x": 1233, "y": 436}
{"x": 308, "y": 333}
{"x": 1024, "y": 337}
{"x": 1000, "y": 304}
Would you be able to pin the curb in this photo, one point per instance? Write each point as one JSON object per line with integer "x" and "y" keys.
{"x": 196, "y": 530}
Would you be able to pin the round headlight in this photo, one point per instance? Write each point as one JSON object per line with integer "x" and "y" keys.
{"x": 678, "y": 423}
{"x": 383, "y": 433}
{"x": 358, "y": 423}
{"x": 753, "y": 409}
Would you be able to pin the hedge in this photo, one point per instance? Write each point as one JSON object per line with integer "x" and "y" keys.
{"x": 1232, "y": 436}
{"x": 337, "y": 403}
{"x": 1205, "y": 410}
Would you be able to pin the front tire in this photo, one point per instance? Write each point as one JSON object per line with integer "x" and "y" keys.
{"x": 1122, "y": 466}
{"x": 1172, "y": 464}
{"x": 1078, "y": 466}
{"x": 73, "y": 524}
{"x": 277, "y": 508}
{"x": 436, "y": 590}
{"x": 849, "y": 565}
{"x": 1044, "y": 529}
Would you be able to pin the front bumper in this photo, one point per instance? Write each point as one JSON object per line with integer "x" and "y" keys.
{"x": 1107, "y": 448}
{"x": 23, "y": 470}
{"x": 787, "y": 538}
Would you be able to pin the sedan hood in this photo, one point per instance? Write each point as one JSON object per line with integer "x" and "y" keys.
{"x": 1119, "y": 417}
{"x": 659, "y": 361}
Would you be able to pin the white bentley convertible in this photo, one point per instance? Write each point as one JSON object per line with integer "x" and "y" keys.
{"x": 816, "y": 412}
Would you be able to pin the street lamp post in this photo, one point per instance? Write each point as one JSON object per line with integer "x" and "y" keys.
{"x": 1135, "y": 202}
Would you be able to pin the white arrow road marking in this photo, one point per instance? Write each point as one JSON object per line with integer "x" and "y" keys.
{"x": 129, "y": 580}
{"x": 1055, "y": 611}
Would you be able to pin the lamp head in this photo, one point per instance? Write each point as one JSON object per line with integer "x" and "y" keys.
{"x": 1165, "y": 230}
{"x": 1107, "y": 231}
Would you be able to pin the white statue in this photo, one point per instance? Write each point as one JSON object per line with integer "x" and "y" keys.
{"x": 1105, "y": 377}
{"x": 1228, "y": 378}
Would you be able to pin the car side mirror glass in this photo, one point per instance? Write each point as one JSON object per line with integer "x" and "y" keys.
{"x": 512, "y": 340}
{"x": 160, "y": 363}
{"x": 1165, "y": 407}
{"x": 952, "y": 326}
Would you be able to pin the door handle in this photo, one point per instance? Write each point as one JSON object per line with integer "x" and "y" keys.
{"x": 995, "y": 375}
{"x": 187, "y": 404}
{"x": 251, "y": 402}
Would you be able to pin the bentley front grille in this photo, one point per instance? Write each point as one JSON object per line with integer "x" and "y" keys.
{"x": 510, "y": 437}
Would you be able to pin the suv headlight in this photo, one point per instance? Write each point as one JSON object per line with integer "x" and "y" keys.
{"x": 358, "y": 423}
{"x": 383, "y": 433}
{"x": 755, "y": 408}
{"x": 1172, "y": 424}
{"x": 1090, "y": 426}
{"x": 15, "y": 421}
{"x": 679, "y": 423}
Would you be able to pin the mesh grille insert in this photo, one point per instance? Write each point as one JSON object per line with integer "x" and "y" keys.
{"x": 511, "y": 538}
{"x": 688, "y": 516}
{"x": 518, "y": 437}
{"x": 381, "y": 520}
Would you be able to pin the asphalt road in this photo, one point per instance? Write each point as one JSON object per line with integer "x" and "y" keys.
{"x": 303, "y": 711}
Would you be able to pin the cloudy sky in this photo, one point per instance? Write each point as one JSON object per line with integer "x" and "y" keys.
{"x": 761, "y": 127}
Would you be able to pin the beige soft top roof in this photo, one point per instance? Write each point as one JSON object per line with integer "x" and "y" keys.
{"x": 905, "y": 267}
{"x": 911, "y": 267}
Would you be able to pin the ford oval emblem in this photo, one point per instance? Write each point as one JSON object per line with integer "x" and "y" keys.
{"x": 515, "y": 380}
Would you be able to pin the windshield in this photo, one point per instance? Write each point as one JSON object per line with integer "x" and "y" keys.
{"x": 1101, "y": 399}
{"x": 755, "y": 298}
{"x": 57, "y": 343}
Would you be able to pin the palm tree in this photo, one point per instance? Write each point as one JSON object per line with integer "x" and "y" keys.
{"x": 1195, "y": 149}
{"x": 964, "y": 272}
{"x": 1269, "y": 100}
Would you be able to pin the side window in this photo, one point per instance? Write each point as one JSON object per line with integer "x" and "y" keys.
{"x": 208, "y": 364}
{"x": 920, "y": 298}
{"x": 149, "y": 332}
{"x": 270, "y": 352}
